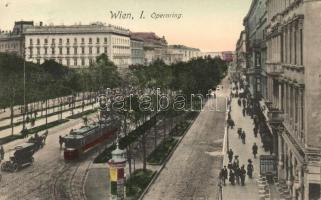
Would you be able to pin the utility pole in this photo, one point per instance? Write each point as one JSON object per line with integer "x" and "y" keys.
{"x": 24, "y": 90}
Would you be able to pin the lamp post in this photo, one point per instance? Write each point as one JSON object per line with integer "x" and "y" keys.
{"x": 320, "y": 164}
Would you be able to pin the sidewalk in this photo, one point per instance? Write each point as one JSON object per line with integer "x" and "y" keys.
{"x": 244, "y": 151}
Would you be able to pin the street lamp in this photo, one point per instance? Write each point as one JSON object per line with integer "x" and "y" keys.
{"x": 320, "y": 164}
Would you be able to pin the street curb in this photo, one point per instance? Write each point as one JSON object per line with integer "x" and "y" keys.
{"x": 166, "y": 160}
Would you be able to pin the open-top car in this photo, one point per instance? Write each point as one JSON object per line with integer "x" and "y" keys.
{"x": 22, "y": 156}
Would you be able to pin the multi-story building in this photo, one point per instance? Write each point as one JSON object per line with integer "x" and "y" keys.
{"x": 73, "y": 46}
{"x": 77, "y": 45}
{"x": 154, "y": 46}
{"x": 240, "y": 53}
{"x": 255, "y": 27}
{"x": 180, "y": 53}
{"x": 137, "y": 50}
{"x": 294, "y": 91}
{"x": 212, "y": 54}
{"x": 13, "y": 41}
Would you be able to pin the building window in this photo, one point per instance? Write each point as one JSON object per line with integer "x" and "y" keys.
{"x": 75, "y": 50}
{"x": 38, "y": 41}
{"x": 38, "y": 50}
{"x": 75, "y": 62}
{"x": 68, "y": 61}
{"x": 30, "y": 41}
{"x": 90, "y": 40}
{"x": 83, "y": 61}
{"x": 31, "y": 52}
{"x": 82, "y": 50}
{"x": 98, "y": 50}
{"x": 46, "y": 41}
{"x": 97, "y": 40}
{"x": 90, "y": 50}
{"x": 53, "y": 41}
{"x": 82, "y": 40}
{"x": 60, "y": 50}
{"x": 105, "y": 40}
{"x": 46, "y": 50}
{"x": 67, "y": 40}
{"x": 105, "y": 50}
{"x": 60, "y": 41}
{"x": 68, "y": 50}
{"x": 301, "y": 46}
{"x": 75, "y": 40}
{"x": 90, "y": 61}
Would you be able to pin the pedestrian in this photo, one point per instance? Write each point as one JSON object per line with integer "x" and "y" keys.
{"x": 230, "y": 155}
{"x": 250, "y": 168}
{"x": 232, "y": 124}
{"x": 236, "y": 162}
{"x": 239, "y": 132}
{"x": 242, "y": 175}
{"x": 225, "y": 173}
{"x": 243, "y": 136}
{"x": 243, "y": 111}
{"x": 255, "y": 131}
{"x": 239, "y": 102}
{"x": 1, "y": 152}
{"x": 254, "y": 149}
{"x": 61, "y": 141}
{"x": 230, "y": 165}
{"x": 237, "y": 174}
{"x": 244, "y": 103}
{"x": 232, "y": 177}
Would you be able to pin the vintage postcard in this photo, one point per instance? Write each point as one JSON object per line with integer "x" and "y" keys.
{"x": 160, "y": 100}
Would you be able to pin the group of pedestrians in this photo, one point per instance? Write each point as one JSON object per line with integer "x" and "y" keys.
{"x": 234, "y": 172}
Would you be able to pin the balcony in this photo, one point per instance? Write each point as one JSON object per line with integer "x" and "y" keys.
{"x": 275, "y": 116}
{"x": 253, "y": 71}
{"x": 274, "y": 69}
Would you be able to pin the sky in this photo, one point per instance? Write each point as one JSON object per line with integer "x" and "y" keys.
{"x": 210, "y": 25}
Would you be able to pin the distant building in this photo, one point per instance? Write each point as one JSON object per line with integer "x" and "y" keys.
{"x": 154, "y": 46}
{"x": 227, "y": 56}
{"x": 255, "y": 29}
{"x": 240, "y": 53}
{"x": 137, "y": 50}
{"x": 180, "y": 53}
{"x": 13, "y": 41}
{"x": 224, "y": 55}
{"x": 73, "y": 46}
{"x": 78, "y": 45}
{"x": 212, "y": 54}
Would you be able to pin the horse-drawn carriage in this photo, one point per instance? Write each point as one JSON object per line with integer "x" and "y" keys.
{"x": 38, "y": 139}
{"x": 22, "y": 156}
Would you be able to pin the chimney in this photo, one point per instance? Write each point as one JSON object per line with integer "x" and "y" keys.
{"x": 40, "y": 24}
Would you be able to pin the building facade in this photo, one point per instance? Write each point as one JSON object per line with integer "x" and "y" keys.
{"x": 13, "y": 41}
{"x": 137, "y": 51}
{"x": 294, "y": 91}
{"x": 240, "y": 53}
{"x": 180, "y": 53}
{"x": 154, "y": 46}
{"x": 255, "y": 27}
{"x": 74, "y": 46}
{"x": 77, "y": 45}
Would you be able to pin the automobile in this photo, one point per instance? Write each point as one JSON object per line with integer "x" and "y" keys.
{"x": 22, "y": 156}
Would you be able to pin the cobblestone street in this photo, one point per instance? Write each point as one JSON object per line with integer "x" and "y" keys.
{"x": 192, "y": 171}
